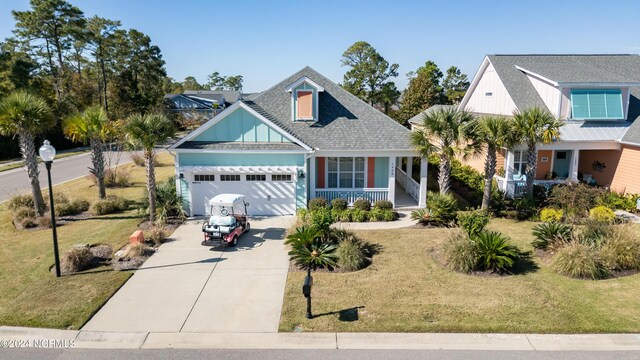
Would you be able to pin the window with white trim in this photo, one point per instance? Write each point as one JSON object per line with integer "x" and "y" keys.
{"x": 256, "y": 177}
{"x": 519, "y": 162}
{"x": 229, "y": 177}
{"x": 602, "y": 104}
{"x": 281, "y": 177}
{"x": 346, "y": 172}
{"x": 204, "y": 177}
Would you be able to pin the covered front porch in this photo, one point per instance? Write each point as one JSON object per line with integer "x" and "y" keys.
{"x": 384, "y": 179}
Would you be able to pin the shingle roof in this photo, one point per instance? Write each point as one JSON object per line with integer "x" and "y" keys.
{"x": 213, "y": 145}
{"x": 345, "y": 121}
{"x": 418, "y": 118}
{"x": 633, "y": 133}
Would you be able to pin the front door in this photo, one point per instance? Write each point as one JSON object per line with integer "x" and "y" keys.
{"x": 562, "y": 163}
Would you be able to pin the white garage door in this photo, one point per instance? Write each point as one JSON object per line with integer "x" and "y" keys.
{"x": 267, "y": 194}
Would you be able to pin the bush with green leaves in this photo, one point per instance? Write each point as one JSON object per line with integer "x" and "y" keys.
{"x": 109, "y": 205}
{"x": 376, "y": 215}
{"x": 579, "y": 260}
{"x": 24, "y": 213}
{"x": 495, "y": 252}
{"x": 594, "y": 232}
{"x": 362, "y": 204}
{"x": 575, "y": 199}
{"x": 339, "y": 204}
{"x": 317, "y": 203}
{"x": 525, "y": 207}
{"x": 615, "y": 200}
{"x": 460, "y": 252}
{"x": 350, "y": 255}
{"x": 602, "y": 214}
{"x": 423, "y": 216}
{"x": 168, "y": 202}
{"x": 302, "y": 214}
{"x": 621, "y": 250}
{"x": 551, "y": 214}
{"x": 473, "y": 222}
{"x": 345, "y": 215}
{"x": 309, "y": 250}
{"x": 389, "y": 215}
{"x": 383, "y": 205}
{"x": 21, "y": 201}
{"x": 72, "y": 207}
{"x": 359, "y": 215}
{"x": 321, "y": 219}
{"x": 550, "y": 235}
{"x": 443, "y": 207}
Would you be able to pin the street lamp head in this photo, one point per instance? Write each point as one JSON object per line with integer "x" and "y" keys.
{"x": 47, "y": 152}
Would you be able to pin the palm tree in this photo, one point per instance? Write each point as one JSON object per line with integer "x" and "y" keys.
{"x": 497, "y": 132}
{"x": 146, "y": 132}
{"x": 309, "y": 250}
{"x": 532, "y": 126}
{"x": 25, "y": 115}
{"x": 448, "y": 132}
{"x": 92, "y": 126}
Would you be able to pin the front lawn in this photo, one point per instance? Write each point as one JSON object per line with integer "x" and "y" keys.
{"x": 30, "y": 295}
{"x": 406, "y": 290}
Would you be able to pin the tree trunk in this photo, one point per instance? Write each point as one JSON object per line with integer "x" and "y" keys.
{"x": 445, "y": 174}
{"x": 104, "y": 86}
{"x": 28, "y": 150}
{"x": 489, "y": 171}
{"x": 151, "y": 184}
{"x": 532, "y": 163}
{"x": 54, "y": 72}
{"x": 97, "y": 160}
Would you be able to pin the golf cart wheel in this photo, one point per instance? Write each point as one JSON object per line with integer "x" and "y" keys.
{"x": 234, "y": 241}
{"x": 247, "y": 228}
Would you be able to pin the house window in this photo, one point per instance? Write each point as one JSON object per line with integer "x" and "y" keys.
{"x": 596, "y": 104}
{"x": 281, "y": 177}
{"x": 229, "y": 177}
{"x": 345, "y": 172}
{"x": 256, "y": 177}
{"x": 204, "y": 177}
{"x": 305, "y": 105}
{"x": 519, "y": 162}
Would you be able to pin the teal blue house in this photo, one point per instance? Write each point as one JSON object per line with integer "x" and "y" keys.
{"x": 303, "y": 138}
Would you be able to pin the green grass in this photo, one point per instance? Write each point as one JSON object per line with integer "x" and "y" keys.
{"x": 30, "y": 295}
{"x": 407, "y": 290}
{"x": 21, "y": 164}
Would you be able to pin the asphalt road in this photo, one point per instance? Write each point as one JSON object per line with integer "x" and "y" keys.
{"x": 16, "y": 181}
{"x": 171, "y": 354}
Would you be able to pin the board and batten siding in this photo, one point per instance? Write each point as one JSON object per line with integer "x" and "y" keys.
{"x": 241, "y": 126}
{"x": 498, "y": 103}
{"x": 238, "y": 159}
{"x": 549, "y": 94}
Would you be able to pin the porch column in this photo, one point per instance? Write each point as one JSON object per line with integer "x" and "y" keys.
{"x": 575, "y": 161}
{"x": 409, "y": 172}
{"x": 392, "y": 180}
{"x": 507, "y": 170}
{"x": 312, "y": 177}
{"x": 423, "y": 183}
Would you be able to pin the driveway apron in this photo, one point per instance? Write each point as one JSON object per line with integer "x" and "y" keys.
{"x": 187, "y": 287}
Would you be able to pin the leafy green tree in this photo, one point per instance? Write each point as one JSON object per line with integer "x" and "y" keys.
{"x": 91, "y": 126}
{"x": 449, "y": 133}
{"x": 49, "y": 30}
{"x": 27, "y": 115}
{"x": 368, "y": 73}
{"x": 102, "y": 42}
{"x": 424, "y": 90}
{"x": 147, "y": 132}
{"x": 532, "y": 126}
{"x": 190, "y": 83}
{"x": 455, "y": 85}
{"x": 215, "y": 81}
{"x": 233, "y": 83}
{"x": 497, "y": 133}
{"x": 388, "y": 97}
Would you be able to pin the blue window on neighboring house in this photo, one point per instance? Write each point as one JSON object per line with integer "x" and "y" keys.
{"x": 596, "y": 104}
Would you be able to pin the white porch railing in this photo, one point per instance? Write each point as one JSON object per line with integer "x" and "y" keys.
{"x": 351, "y": 195}
{"x": 517, "y": 188}
{"x": 409, "y": 185}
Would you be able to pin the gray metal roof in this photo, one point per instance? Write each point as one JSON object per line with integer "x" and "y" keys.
{"x": 229, "y": 95}
{"x": 593, "y": 130}
{"x": 633, "y": 133}
{"x": 345, "y": 121}
{"x": 418, "y": 118}
{"x": 213, "y": 145}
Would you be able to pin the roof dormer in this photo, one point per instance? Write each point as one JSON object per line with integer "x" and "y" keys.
{"x": 304, "y": 99}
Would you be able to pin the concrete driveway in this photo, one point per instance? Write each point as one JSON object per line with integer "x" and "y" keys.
{"x": 187, "y": 287}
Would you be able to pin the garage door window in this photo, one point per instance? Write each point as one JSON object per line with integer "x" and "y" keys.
{"x": 204, "y": 177}
{"x": 256, "y": 177}
{"x": 345, "y": 172}
{"x": 280, "y": 177}
{"x": 229, "y": 177}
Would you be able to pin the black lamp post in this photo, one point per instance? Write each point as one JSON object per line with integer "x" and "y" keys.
{"x": 306, "y": 291}
{"x": 47, "y": 153}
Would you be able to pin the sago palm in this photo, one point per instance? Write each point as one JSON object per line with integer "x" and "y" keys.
{"x": 309, "y": 251}
{"x": 25, "y": 115}
{"x": 532, "y": 126}
{"x": 146, "y": 132}
{"x": 449, "y": 133}
{"x": 497, "y": 133}
{"x": 91, "y": 126}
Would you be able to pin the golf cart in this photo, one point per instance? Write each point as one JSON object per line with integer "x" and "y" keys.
{"x": 227, "y": 222}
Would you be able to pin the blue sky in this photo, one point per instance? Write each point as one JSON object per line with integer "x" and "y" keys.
{"x": 268, "y": 40}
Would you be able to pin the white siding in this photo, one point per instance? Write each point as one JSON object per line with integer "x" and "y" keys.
{"x": 498, "y": 103}
{"x": 548, "y": 93}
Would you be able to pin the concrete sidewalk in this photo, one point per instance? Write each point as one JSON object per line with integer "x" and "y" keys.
{"x": 184, "y": 340}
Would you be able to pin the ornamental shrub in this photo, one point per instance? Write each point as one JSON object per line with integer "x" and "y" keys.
{"x": 345, "y": 215}
{"x": 76, "y": 259}
{"x": 109, "y": 205}
{"x": 460, "y": 252}
{"x": 473, "y": 222}
{"x": 578, "y": 260}
{"x": 621, "y": 251}
{"x": 71, "y": 208}
{"x": 376, "y": 215}
{"x": 443, "y": 207}
{"x": 350, "y": 255}
{"x": 615, "y": 200}
{"x": 389, "y": 215}
{"x": 339, "y": 204}
{"x": 423, "y": 216}
{"x": 362, "y": 204}
{"x": 322, "y": 219}
{"x": 494, "y": 251}
{"x": 21, "y": 201}
{"x": 360, "y": 215}
{"x": 602, "y": 214}
{"x": 550, "y": 235}
{"x": 383, "y": 205}
{"x": 551, "y": 214}
{"x": 575, "y": 199}
{"x": 317, "y": 203}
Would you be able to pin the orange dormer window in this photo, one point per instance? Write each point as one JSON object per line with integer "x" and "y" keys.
{"x": 305, "y": 105}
